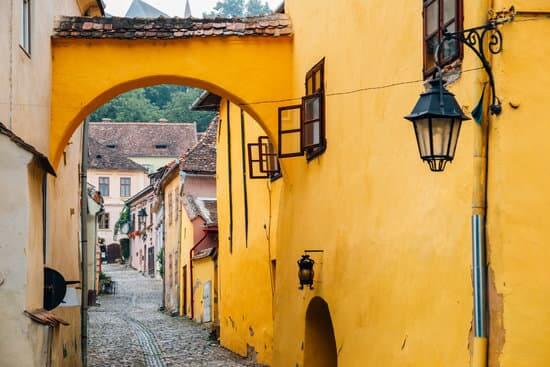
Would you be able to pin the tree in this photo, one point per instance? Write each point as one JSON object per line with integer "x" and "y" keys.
{"x": 132, "y": 106}
{"x": 171, "y": 102}
{"x": 238, "y": 8}
{"x": 178, "y": 109}
{"x": 227, "y": 9}
{"x": 256, "y": 7}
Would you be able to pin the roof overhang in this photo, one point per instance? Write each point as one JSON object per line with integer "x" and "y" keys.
{"x": 207, "y": 101}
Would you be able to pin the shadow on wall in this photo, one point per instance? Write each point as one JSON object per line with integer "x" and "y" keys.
{"x": 320, "y": 343}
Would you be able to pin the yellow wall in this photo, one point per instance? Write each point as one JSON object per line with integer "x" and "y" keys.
{"x": 171, "y": 243}
{"x": 193, "y": 62}
{"x": 245, "y": 277}
{"x": 187, "y": 243}
{"x": 396, "y": 260}
{"x": 518, "y": 226}
{"x": 203, "y": 271}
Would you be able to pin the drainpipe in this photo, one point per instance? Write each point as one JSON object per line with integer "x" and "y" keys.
{"x": 84, "y": 243}
{"x": 191, "y": 273}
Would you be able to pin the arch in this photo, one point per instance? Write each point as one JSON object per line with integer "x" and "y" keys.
{"x": 320, "y": 344}
{"x": 88, "y": 73}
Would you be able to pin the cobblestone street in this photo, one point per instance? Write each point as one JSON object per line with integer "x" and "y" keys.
{"x": 127, "y": 330}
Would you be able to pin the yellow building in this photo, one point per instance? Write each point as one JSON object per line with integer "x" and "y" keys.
{"x": 169, "y": 189}
{"x": 392, "y": 242}
{"x": 247, "y": 212}
{"x": 199, "y": 237}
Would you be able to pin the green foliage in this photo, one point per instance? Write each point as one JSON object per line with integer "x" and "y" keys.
{"x": 238, "y": 8}
{"x": 170, "y": 102}
{"x": 132, "y": 106}
{"x": 256, "y": 7}
{"x": 123, "y": 218}
{"x": 178, "y": 109}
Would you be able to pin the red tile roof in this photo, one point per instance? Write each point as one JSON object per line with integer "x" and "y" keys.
{"x": 202, "y": 158}
{"x": 145, "y": 139}
{"x": 274, "y": 25}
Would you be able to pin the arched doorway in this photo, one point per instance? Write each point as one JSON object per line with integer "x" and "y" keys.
{"x": 320, "y": 343}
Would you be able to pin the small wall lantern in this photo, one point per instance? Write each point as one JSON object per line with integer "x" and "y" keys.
{"x": 437, "y": 118}
{"x": 305, "y": 271}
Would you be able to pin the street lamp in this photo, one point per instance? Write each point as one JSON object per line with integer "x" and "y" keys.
{"x": 305, "y": 271}
{"x": 437, "y": 118}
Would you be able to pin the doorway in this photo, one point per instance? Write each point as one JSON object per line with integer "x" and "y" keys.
{"x": 320, "y": 343}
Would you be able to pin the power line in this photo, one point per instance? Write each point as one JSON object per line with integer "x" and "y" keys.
{"x": 352, "y": 91}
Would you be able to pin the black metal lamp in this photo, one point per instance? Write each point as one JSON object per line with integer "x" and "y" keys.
{"x": 305, "y": 271}
{"x": 437, "y": 119}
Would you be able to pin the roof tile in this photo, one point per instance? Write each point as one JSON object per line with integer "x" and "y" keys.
{"x": 170, "y": 28}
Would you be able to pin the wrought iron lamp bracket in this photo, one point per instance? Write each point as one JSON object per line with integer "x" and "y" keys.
{"x": 475, "y": 39}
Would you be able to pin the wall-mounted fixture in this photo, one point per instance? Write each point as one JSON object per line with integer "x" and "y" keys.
{"x": 305, "y": 271}
{"x": 437, "y": 116}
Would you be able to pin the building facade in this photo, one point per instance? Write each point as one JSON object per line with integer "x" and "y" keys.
{"x": 393, "y": 281}
{"x": 122, "y": 154}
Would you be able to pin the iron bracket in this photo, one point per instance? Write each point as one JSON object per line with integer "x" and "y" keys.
{"x": 475, "y": 39}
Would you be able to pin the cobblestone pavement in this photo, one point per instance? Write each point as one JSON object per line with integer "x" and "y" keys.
{"x": 127, "y": 330}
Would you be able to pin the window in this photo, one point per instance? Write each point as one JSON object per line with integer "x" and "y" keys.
{"x": 302, "y": 127}
{"x": 25, "y": 41}
{"x": 125, "y": 186}
{"x": 262, "y": 160}
{"x": 104, "y": 186}
{"x": 103, "y": 220}
{"x": 441, "y": 15}
{"x": 111, "y": 146}
{"x": 161, "y": 146}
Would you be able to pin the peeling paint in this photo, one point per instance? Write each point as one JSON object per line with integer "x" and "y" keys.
{"x": 497, "y": 332}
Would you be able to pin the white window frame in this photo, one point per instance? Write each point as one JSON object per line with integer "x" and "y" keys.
{"x": 26, "y": 26}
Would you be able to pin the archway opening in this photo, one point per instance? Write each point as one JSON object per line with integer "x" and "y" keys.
{"x": 320, "y": 343}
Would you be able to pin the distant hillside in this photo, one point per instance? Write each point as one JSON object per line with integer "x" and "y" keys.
{"x": 169, "y": 102}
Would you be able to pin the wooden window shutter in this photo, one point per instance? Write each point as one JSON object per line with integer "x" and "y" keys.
{"x": 254, "y": 162}
{"x": 269, "y": 162}
{"x": 312, "y": 121}
{"x": 290, "y": 132}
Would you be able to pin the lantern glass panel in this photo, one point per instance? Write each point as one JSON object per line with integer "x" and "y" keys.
{"x": 441, "y": 134}
{"x": 454, "y": 136}
{"x": 422, "y": 131}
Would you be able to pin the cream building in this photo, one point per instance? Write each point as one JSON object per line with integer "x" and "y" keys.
{"x": 39, "y": 216}
{"x": 122, "y": 154}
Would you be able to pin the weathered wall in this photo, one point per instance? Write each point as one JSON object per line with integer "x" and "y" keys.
{"x": 192, "y": 232}
{"x": 395, "y": 270}
{"x": 25, "y": 108}
{"x": 171, "y": 245}
{"x": 518, "y": 224}
{"x": 63, "y": 251}
{"x": 203, "y": 271}
{"x": 21, "y": 277}
{"x": 245, "y": 264}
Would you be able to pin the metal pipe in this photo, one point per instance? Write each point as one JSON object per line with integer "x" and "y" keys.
{"x": 191, "y": 299}
{"x": 84, "y": 244}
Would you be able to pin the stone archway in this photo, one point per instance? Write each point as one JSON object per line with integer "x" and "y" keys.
{"x": 320, "y": 343}
{"x": 247, "y": 61}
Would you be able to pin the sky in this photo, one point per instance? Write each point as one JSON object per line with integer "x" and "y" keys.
{"x": 171, "y": 7}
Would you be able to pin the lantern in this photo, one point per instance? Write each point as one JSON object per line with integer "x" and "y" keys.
{"x": 305, "y": 271}
{"x": 437, "y": 119}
